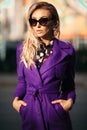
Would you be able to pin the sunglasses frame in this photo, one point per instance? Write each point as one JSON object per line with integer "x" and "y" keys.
{"x": 42, "y": 21}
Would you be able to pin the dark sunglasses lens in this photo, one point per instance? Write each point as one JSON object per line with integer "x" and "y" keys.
{"x": 43, "y": 21}
{"x": 33, "y": 22}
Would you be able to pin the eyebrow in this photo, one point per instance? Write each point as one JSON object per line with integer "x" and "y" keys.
{"x": 40, "y": 17}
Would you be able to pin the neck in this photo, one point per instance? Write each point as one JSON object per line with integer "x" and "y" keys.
{"x": 47, "y": 41}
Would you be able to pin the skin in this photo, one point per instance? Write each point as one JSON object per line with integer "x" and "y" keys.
{"x": 45, "y": 33}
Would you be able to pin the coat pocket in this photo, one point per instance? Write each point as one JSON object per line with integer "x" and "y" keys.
{"x": 22, "y": 111}
{"x": 59, "y": 109}
{"x": 55, "y": 113}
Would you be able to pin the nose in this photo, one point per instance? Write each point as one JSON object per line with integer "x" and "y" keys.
{"x": 38, "y": 25}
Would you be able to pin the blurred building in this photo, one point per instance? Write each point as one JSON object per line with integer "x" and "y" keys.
{"x": 73, "y": 18}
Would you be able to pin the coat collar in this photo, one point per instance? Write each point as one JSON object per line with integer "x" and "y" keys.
{"x": 56, "y": 57}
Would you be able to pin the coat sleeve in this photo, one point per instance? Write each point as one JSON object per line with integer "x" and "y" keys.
{"x": 21, "y": 84}
{"x": 68, "y": 84}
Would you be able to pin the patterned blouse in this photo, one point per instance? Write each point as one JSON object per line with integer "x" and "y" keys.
{"x": 43, "y": 53}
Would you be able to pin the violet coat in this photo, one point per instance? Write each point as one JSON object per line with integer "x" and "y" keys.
{"x": 55, "y": 80}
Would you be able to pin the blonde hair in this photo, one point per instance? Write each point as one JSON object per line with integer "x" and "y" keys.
{"x": 32, "y": 42}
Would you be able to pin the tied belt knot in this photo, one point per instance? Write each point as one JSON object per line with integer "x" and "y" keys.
{"x": 37, "y": 93}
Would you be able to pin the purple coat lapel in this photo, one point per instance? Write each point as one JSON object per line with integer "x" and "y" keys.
{"x": 56, "y": 57}
{"x": 35, "y": 75}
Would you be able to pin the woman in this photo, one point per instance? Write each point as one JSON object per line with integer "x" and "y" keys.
{"x": 46, "y": 91}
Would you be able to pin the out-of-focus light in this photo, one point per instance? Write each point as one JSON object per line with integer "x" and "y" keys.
{"x": 78, "y": 5}
{"x": 5, "y": 3}
{"x": 25, "y": 2}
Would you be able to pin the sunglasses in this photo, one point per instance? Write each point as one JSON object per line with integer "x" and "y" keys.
{"x": 42, "y": 21}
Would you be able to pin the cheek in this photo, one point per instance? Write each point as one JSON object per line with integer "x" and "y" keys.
{"x": 48, "y": 30}
{"x": 50, "y": 27}
{"x": 33, "y": 29}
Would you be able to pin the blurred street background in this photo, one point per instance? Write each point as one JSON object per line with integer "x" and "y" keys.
{"x": 73, "y": 19}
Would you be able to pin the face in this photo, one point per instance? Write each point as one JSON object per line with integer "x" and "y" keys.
{"x": 41, "y": 23}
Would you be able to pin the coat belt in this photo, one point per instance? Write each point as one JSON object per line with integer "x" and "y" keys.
{"x": 44, "y": 90}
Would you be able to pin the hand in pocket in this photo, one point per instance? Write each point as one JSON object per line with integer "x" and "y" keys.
{"x": 17, "y": 104}
{"x": 66, "y": 104}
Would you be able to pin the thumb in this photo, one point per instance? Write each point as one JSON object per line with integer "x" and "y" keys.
{"x": 23, "y": 103}
{"x": 56, "y": 101}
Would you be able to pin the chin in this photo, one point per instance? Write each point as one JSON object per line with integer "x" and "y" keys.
{"x": 39, "y": 35}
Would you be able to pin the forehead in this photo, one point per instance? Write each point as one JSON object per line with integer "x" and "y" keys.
{"x": 41, "y": 13}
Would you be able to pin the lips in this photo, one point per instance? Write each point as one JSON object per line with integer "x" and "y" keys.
{"x": 39, "y": 31}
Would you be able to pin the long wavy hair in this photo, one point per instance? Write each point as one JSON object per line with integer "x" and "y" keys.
{"x": 32, "y": 42}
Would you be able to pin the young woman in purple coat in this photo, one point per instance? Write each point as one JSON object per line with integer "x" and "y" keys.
{"x": 46, "y": 68}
